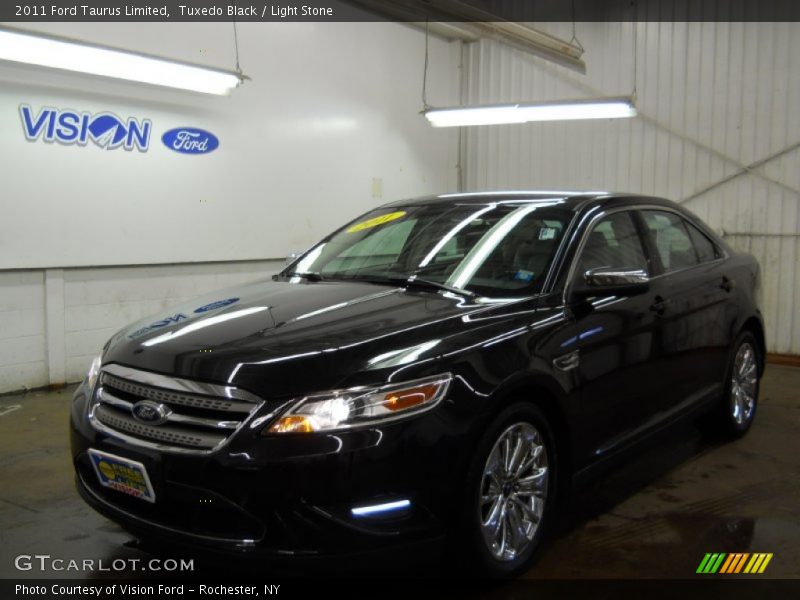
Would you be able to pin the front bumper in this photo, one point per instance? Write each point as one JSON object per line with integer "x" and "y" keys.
{"x": 292, "y": 497}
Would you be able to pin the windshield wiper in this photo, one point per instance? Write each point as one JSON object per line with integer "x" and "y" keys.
{"x": 406, "y": 282}
{"x": 415, "y": 282}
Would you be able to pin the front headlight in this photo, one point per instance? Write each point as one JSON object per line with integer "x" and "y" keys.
{"x": 355, "y": 407}
{"x": 94, "y": 372}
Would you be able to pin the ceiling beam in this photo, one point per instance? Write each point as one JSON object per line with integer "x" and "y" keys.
{"x": 454, "y": 19}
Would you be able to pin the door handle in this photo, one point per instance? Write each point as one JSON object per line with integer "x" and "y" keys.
{"x": 727, "y": 284}
{"x": 567, "y": 362}
{"x": 659, "y": 305}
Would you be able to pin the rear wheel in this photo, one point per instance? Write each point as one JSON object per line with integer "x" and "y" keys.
{"x": 734, "y": 415}
{"x": 511, "y": 486}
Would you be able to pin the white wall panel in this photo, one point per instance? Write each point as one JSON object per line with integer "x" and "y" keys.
{"x": 713, "y": 97}
{"x": 329, "y": 108}
{"x": 23, "y": 355}
{"x": 92, "y": 305}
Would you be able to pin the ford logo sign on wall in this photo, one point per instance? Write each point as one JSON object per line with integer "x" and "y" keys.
{"x": 190, "y": 140}
{"x": 150, "y": 412}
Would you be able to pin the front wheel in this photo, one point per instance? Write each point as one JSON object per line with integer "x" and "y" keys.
{"x": 510, "y": 491}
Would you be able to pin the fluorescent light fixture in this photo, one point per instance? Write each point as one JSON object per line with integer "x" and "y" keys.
{"x": 376, "y": 509}
{"x": 63, "y": 53}
{"x": 562, "y": 110}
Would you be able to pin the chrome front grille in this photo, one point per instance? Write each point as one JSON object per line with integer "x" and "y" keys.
{"x": 170, "y": 397}
{"x": 191, "y": 417}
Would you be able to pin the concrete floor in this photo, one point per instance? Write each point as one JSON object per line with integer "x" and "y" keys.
{"x": 653, "y": 518}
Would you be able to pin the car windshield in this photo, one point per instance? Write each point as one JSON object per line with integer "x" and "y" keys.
{"x": 496, "y": 249}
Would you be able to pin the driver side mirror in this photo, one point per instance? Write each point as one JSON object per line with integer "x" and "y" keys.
{"x": 606, "y": 281}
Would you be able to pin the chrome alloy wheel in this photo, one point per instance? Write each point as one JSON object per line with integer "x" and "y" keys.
{"x": 513, "y": 491}
{"x": 744, "y": 381}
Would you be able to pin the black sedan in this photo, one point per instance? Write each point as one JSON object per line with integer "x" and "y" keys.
{"x": 436, "y": 373}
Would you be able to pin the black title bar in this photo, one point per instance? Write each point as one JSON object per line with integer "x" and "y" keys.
{"x": 21, "y": 11}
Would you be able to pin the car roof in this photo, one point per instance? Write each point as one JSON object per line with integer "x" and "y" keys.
{"x": 570, "y": 199}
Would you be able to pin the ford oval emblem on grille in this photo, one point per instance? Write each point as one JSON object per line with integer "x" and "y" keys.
{"x": 150, "y": 412}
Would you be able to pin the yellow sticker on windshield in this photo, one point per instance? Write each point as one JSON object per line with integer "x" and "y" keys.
{"x": 375, "y": 221}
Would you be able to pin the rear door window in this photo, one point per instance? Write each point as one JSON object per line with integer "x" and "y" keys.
{"x": 705, "y": 248}
{"x": 668, "y": 234}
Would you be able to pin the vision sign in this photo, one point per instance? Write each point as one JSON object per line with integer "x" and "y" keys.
{"x": 69, "y": 127}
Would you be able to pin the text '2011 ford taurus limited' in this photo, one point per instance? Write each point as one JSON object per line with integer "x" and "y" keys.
{"x": 436, "y": 370}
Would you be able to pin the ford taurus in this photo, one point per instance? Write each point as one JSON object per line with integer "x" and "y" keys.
{"x": 437, "y": 371}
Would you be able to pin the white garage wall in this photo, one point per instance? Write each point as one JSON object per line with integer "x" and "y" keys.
{"x": 330, "y": 108}
{"x": 327, "y": 128}
{"x": 714, "y": 100}
{"x": 23, "y": 353}
{"x": 52, "y": 336}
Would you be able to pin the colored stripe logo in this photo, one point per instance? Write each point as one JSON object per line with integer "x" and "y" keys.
{"x": 736, "y": 562}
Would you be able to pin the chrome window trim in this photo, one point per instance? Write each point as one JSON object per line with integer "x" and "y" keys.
{"x": 176, "y": 384}
{"x": 569, "y": 282}
{"x": 558, "y": 256}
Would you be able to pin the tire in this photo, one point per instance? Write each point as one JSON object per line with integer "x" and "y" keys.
{"x": 736, "y": 411}
{"x": 514, "y": 499}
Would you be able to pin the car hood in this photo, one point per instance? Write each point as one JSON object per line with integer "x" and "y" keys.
{"x": 280, "y": 338}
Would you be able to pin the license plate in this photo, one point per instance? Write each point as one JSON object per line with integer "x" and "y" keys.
{"x": 122, "y": 474}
